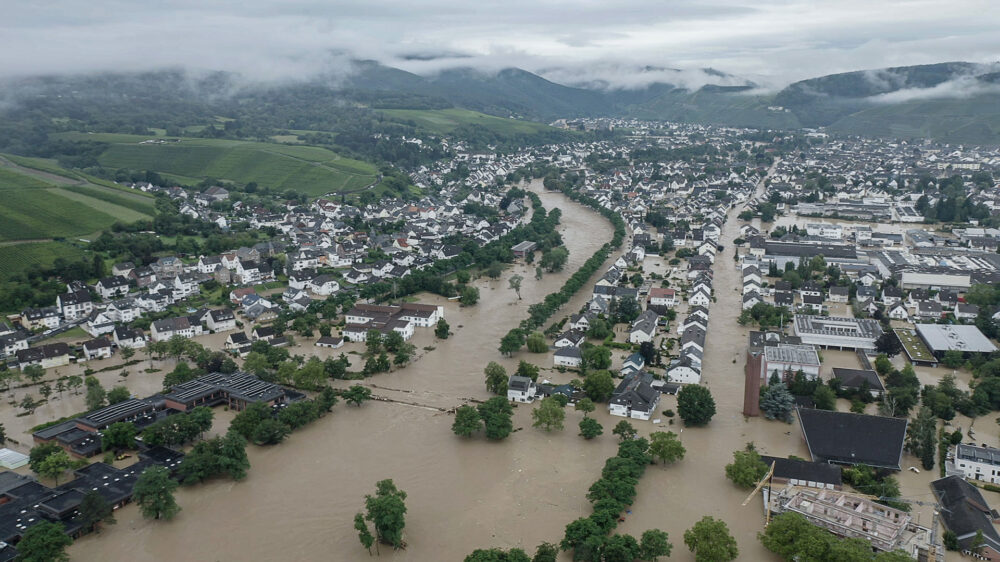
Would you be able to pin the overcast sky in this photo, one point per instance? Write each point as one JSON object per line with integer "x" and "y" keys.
{"x": 770, "y": 41}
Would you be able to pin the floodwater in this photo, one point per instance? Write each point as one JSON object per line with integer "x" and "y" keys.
{"x": 300, "y": 497}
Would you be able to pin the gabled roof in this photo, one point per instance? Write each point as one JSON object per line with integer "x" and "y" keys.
{"x": 847, "y": 438}
{"x": 965, "y": 511}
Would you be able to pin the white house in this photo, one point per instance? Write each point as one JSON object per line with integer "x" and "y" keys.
{"x": 683, "y": 371}
{"x": 521, "y": 389}
{"x": 99, "y": 348}
{"x": 167, "y": 328}
{"x": 111, "y": 287}
{"x": 324, "y": 285}
{"x": 220, "y": 320}
{"x": 128, "y": 337}
{"x": 700, "y": 298}
{"x": 978, "y": 463}
{"x": 75, "y": 305}
{"x": 659, "y": 296}
{"x": 634, "y": 398}
{"x": 568, "y": 357}
{"x": 643, "y": 328}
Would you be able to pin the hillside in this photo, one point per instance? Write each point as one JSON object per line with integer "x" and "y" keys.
{"x": 444, "y": 121}
{"x": 306, "y": 169}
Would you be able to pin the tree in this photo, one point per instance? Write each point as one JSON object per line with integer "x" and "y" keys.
{"x": 585, "y": 405}
{"x": 655, "y": 543}
{"x": 526, "y": 369}
{"x": 357, "y": 395}
{"x": 580, "y": 536}
{"x": 245, "y": 423}
{"x": 496, "y": 414}
{"x": 747, "y": 468}
{"x": 710, "y": 541}
{"x": 467, "y": 421}
{"x": 536, "y": 343}
{"x": 216, "y": 457}
{"x": 442, "y": 329}
{"x": 28, "y": 404}
{"x": 922, "y": 437}
{"x": 888, "y": 344}
{"x": 621, "y": 548}
{"x": 470, "y": 295}
{"x": 118, "y": 394}
{"x": 94, "y": 510}
{"x": 495, "y": 270}
{"x": 154, "y": 493}
{"x": 695, "y": 405}
{"x": 270, "y": 432}
{"x": 824, "y": 398}
{"x": 34, "y": 373}
{"x": 554, "y": 259}
{"x": 95, "y": 394}
{"x": 953, "y": 359}
{"x": 512, "y": 341}
{"x": 386, "y": 510}
{"x": 39, "y": 453}
{"x": 599, "y": 386}
{"x": 777, "y": 403}
{"x": 54, "y": 465}
{"x": 3, "y": 435}
{"x": 546, "y": 552}
{"x": 44, "y": 542}
{"x": 666, "y": 447}
{"x": 549, "y": 414}
{"x": 118, "y": 436}
{"x": 515, "y": 284}
{"x": 393, "y": 341}
{"x": 882, "y": 364}
{"x": 364, "y": 535}
{"x": 590, "y": 428}
{"x": 45, "y": 390}
{"x": 597, "y": 357}
{"x": 496, "y": 378}
{"x": 624, "y": 431}
{"x": 498, "y": 555}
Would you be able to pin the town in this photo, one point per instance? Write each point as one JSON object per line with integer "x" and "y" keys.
{"x": 806, "y": 319}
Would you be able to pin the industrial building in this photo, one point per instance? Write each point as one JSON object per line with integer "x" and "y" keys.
{"x": 837, "y": 332}
{"x": 942, "y": 338}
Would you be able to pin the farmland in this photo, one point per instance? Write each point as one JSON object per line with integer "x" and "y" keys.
{"x": 20, "y": 257}
{"x": 305, "y": 169}
{"x": 443, "y": 121}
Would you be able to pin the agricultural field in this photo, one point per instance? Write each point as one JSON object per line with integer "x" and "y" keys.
{"x": 35, "y": 209}
{"x": 443, "y": 121}
{"x": 15, "y": 258}
{"x": 307, "y": 169}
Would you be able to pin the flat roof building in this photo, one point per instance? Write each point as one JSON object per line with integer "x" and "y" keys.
{"x": 839, "y": 332}
{"x": 941, "y": 338}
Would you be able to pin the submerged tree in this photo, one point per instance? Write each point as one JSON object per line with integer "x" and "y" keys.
{"x": 386, "y": 510}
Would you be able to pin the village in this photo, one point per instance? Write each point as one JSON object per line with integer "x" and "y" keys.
{"x": 813, "y": 288}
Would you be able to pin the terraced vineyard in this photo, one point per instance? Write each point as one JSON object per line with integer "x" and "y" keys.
{"x": 306, "y": 169}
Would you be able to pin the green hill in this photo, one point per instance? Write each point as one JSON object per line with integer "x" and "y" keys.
{"x": 306, "y": 169}
{"x": 444, "y": 121}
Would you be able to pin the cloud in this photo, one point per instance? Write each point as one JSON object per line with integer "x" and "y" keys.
{"x": 961, "y": 88}
{"x": 770, "y": 41}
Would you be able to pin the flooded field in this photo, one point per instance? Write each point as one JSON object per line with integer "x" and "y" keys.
{"x": 299, "y": 498}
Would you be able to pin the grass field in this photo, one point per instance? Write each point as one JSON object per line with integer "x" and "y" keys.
{"x": 50, "y": 166}
{"x": 913, "y": 345}
{"x": 443, "y": 121}
{"x": 15, "y": 258}
{"x": 306, "y": 169}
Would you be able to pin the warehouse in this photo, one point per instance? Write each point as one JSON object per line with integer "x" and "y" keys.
{"x": 942, "y": 338}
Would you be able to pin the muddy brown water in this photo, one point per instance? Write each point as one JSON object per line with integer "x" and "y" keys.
{"x": 299, "y": 498}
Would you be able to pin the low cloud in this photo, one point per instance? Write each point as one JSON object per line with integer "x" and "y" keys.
{"x": 960, "y": 88}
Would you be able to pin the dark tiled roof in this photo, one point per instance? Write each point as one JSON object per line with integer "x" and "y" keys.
{"x": 804, "y": 470}
{"x": 965, "y": 511}
{"x": 846, "y": 438}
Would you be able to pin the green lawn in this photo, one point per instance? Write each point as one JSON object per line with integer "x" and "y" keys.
{"x": 307, "y": 169}
{"x": 913, "y": 345}
{"x": 443, "y": 121}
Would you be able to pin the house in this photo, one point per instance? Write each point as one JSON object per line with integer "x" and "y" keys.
{"x": 751, "y": 299}
{"x": 891, "y": 294}
{"x": 784, "y": 298}
{"x": 572, "y": 338}
{"x": 700, "y": 297}
{"x": 643, "y": 328}
{"x": 965, "y": 512}
{"x": 634, "y": 397}
{"x": 839, "y": 294}
{"x": 129, "y": 337}
{"x": 330, "y": 342}
{"x": 684, "y": 370}
{"x": 236, "y": 341}
{"x": 848, "y": 439}
{"x": 929, "y": 310}
{"x": 522, "y": 249}
{"x": 659, "y": 296}
{"x": 99, "y": 348}
{"x": 797, "y": 472}
{"x": 521, "y": 389}
{"x": 581, "y": 321}
{"x": 859, "y": 380}
{"x": 46, "y": 356}
{"x": 812, "y": 304}
{"x": 634, "y": 362}
{"x": 898, "y": 312}
{"x": 978, "y": 462}
{"x": 77, "y": 304}
{"x": 12, "y": 342}
{"x": 324, "y": 285}
{"x": 570, "y": 356}
{"x": 220, "y": 320}
{"x": 265, "y": 333}
{"x": 40, "y": 318}
{"x": 111, "y": 287}
{"x": 163, "y": 330}
{"x": 966, "y": 311}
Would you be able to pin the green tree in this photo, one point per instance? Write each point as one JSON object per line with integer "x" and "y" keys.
{"x": 526, "y": 369}
{"x": 599, "y": 386}
{"x": 666, "y": 447}
{"x": 546, "y": 552}
{"x": 585, "y": 405}
{"x": 118, "y": 394}
{"x": 824, "y": 398}
{"x": 39, "y": 453}
{"x": 154, "y": 493}
{"x": 270, "y": 432}
{"x": 655, "y": 543}
{"x": 496, "y": 378}
{"x": 216, "y": 457}
{"x": 710, "y": 541}
{"x": 777, "y": 403}
{"x": 357, "y": 395}
{"x": 96, "y": 395}
{"x": 364, "y": 535}
{"x": 94, "y": 510}
{"x": 118, "y": 436}
{"x": 495, "y": 270}
{"x": 624, "y": 431}
{"x": 536, "y": 343}
{"x": 34, "y": 373}
{"x": 515, "y": 284}
{"x": 590, "y": 428}
{"x": 953, "y": 359}
{"x": 44, "y": 542}
{"x": 549, "y": 414}
{"x": 621, "y": 548}
{"x": 597, "y": 357}
{"x": 747, "y": 468}
{"x": 467, "y": 421}
{"x": 442, "y": 329}
{"x": 386, "y": 510}
{"x": 512, "y": 341}
{"x": 246, "y": 422}
{"x": 496, "y": 414}
{"x": 695, "y": 405}
{"x": 469, "y": 296}
{"x": 54, "y": 465}
{"x": 554, "y": 259}
{"x": 921, "y": 438}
